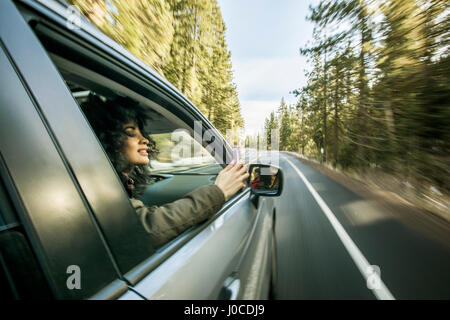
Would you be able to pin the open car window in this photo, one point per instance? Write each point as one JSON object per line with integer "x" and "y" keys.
{"x": 178, "y": 151}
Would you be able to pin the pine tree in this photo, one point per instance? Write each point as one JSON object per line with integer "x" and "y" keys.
{"x": 144, "y": 27}
{"x": 285, "y": 126}
{"x": 183, "y": 40}
{"x": 387, "y": 91}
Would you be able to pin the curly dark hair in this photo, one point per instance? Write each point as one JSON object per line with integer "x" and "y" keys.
{"x": 107, "y": 118}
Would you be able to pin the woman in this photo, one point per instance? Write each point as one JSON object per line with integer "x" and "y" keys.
{"x": 119, "y": 127}
{"x": 256, "y": 178}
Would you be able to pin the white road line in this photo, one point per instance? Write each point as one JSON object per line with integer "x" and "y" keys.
{"x": 381, "y": 291}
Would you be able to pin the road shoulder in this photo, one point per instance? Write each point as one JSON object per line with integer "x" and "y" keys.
{"x": 388, "y": 200}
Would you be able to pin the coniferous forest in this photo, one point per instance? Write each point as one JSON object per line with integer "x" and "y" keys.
{"x": 183, "y": 40}
{"x": 378, "y": 90}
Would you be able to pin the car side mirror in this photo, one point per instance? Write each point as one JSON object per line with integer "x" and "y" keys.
{"x": 265, "y": 180}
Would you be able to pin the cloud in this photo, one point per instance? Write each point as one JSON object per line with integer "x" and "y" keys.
{"x": 268, "y": 79}
{"x": 255, "y": 113}
{"x": 262, "y": 82}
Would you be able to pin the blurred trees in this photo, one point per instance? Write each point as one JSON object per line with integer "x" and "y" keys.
{"x": 378, "y": 89}
{"x": 183, "y": 40}
{"x": 270, "y": 124}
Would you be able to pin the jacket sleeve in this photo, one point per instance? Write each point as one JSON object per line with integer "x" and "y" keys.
{"x": 167, "y": 221}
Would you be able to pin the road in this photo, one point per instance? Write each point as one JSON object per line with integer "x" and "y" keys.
{"x": 321, "y": 257}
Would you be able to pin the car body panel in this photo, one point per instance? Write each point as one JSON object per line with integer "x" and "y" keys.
{"x": 200, "y": 268}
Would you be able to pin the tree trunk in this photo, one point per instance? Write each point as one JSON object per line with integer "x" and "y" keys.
{"x": 324, "y": 132}
{"x": 362, "y": 98}
{"x": 390, "y": 124}
{"x": 183, "y": 76}
{"x": 336, "y": 118}
{"x": 302, "y": 137}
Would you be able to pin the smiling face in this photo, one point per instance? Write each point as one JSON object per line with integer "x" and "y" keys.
{"x": 136, "y": 145}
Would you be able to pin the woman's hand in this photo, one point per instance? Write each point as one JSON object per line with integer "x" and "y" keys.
{"x": 231, "y": 179}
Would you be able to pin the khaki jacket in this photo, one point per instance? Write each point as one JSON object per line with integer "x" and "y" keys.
{"x": 165, "y": 222}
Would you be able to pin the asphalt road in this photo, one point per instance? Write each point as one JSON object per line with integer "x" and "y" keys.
{"x": 323, "y": 259}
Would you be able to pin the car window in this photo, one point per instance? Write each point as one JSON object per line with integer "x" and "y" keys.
{"x": 177, "y": 153}
{"x": 177, "y": 150}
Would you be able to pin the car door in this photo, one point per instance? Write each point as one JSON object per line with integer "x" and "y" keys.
{"x": 226, "y": 257}
{"x": 49, "y": 233}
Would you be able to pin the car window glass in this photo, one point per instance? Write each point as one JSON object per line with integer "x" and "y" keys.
{"x": 178, "y": 151}
{"x": 178, "y": 154}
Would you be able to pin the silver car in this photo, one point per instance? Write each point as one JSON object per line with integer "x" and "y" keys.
{"x": 67, "y": 228}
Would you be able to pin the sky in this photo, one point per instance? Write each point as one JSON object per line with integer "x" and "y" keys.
{"x": 264, "y": 37}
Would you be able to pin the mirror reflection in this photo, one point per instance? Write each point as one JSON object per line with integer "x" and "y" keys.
{"x": 264, "y": 179}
